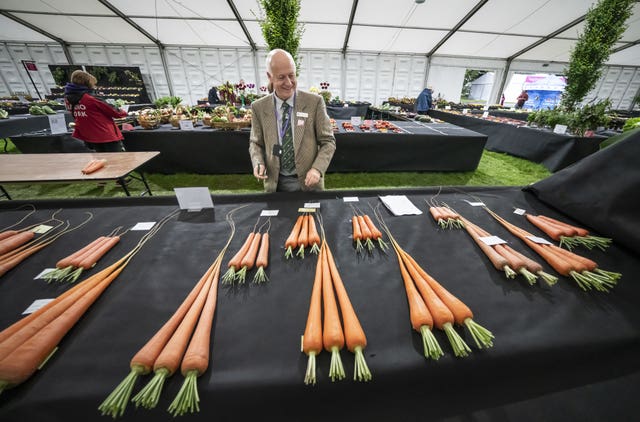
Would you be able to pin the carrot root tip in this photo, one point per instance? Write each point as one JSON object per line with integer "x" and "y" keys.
{"x": 336, "y": 370}
{"x": 149, "y": 396}
{"x": 361, "y": 371}
{"x": 116, "y": 402}
{"x": 187, "y": 399}
{"x": 430, "y": 344}
{"x": 460, "y": 348}
{"x": 482, "y": 336}
{"x": 310, "y": 375}
{"x": 370, "y": 245}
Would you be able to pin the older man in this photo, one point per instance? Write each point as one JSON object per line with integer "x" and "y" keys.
{"x": 291, "y": 143}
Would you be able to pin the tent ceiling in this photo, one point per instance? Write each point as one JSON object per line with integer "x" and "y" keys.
{"x": 477, "y": 28}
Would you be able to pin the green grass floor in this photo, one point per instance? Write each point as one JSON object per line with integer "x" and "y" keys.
{"x": 494, "y": 169}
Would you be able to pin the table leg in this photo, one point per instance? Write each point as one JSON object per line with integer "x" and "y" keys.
{"x": 4, "y": 193}
{"x": 144, "y": 181}
{"x": 123, "y": 183}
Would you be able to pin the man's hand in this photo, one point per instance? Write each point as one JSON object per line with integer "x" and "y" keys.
{"x": 312, "y": 178}
{"x": 260, "y": 172}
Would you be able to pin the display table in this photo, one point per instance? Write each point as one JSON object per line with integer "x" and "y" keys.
{"x": 421, "y": 147}
{"x": 23, "y": 123}
{"x": 352, "y": 110}
{"x": 552, "y": 150}
{"x": 39, "y": 168}
{"x": 559, "y": 353}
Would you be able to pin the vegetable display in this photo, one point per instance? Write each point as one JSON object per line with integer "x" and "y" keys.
{"x": 253, "y": 253}
{"x": 568, "y": 235}
{"x": 183, "y": 343}
{"x": 444, "y": 216}
{"x": 324, "y": 329}
{"x": 27, "y": 344}
{"x": 435, "y": 306}
{"x": 364, "y": 232}
{"x": 71, "y": 267}
{"x": 583, "y": 271}
{"x": 304, "y": 234}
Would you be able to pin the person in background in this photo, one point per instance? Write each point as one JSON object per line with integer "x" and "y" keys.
{"x": 213, "y": 96}
{"x": 522, "y": 98}
{"x": 502, "y": 100}
{"x": 93, "y": 118}
{"x": 424, "y": 101}
{"x": 285, "y": 118}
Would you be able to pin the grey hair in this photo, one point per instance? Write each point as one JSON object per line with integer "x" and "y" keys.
{"x": 278, "y": 50}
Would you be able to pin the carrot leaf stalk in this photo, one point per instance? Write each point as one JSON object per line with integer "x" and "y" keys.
{"x": 336, "y": 370}
{"x": 482, "y": 336}
{"x": 149, "y": 396}
{"x": 310, "y": 374}
{"x": 460, "y": 348}
{"x": 116, "y": 402}
{"x": 229, "y": 276}
{"x": 528, "y": 275}
{"x": 429, "y": 343}
{"x": 361, "y": 371}
{"x": 260, "y": 276}
{"x": 187, "y": 399}
{"x": 548, "y": 278}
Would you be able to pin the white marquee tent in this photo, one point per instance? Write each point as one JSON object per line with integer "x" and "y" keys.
{"x": 366, "y": 49}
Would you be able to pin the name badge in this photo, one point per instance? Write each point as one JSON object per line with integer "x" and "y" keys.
{"x": 302, "y": 114}
{"x": 300, "y": 122}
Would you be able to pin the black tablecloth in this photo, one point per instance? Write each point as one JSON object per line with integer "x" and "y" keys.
{"x": 341, "y": 112}
{"x": 559, "y": 354}
{"x": 552, "y": 150}
{"x": 18, "y": 124}
{"x": 422, "y": 147}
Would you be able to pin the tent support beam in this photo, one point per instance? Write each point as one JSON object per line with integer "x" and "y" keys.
{"x": 548, "y": 37}
{"x": 63, "y": 43}
{"x": 354, "y": 6}
{"x": 503, "y": 81}
{"x": 464, "y": 20}
{"x": 631, "y": 44}
{"x": 242, "y": 25}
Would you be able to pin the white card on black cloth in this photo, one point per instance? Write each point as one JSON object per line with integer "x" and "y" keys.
{"x": 400, "y": 205}
{"x": 193, "y": 199}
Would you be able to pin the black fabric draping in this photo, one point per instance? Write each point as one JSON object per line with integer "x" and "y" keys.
{"x": 18, "y": 124}
{"x": 610, "y": 179}
{"x": 38, "y": 143}
{"x": 342, "y": 112}
{"x": 559, "y": 354}
{"x": 552, "y": 150}
{"x": 424, "y": 147}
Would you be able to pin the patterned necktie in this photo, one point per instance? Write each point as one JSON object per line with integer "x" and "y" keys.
{"x": 287, "y": 162}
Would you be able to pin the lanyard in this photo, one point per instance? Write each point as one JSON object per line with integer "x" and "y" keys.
{"x": 285, "y": 127}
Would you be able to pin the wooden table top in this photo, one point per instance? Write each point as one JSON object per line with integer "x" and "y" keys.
{"x": 15, "y": 168}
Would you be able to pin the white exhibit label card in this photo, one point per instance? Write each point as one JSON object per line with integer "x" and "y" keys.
{"x": 485, "y": 114}
{"x": 539, "y": 240}
{"x": 561, "y": 129}
{"x": 41, "y": 228}
{"x": 37, "y": 304}
{"x": 269, "y": 213}
{"x": 486, "y": 107}
{"x": 447, "y": 107}
{"x": 475, "y": 204}
{"x": 492, "y": 240}
{"x": 125, "y": 108}
{"x": 57, "y": 123}
{"x": 400, "y": 205}
{"x": 194, "y": 199}
{"x": 465, "y": 110}
{"x": 143, "y": 226}
{"x": 519, "y": 211}
{"x": 350, "y": 199}
{"x": 356, "y": 120}
{"x": 312, "y": 205}
{"x": 186, "y": 124}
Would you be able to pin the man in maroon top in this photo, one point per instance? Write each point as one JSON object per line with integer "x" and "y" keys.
{"x": 93, "y": 118}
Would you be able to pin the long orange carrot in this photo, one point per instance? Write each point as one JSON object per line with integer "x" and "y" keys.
{"x": 262, "y": 261}
{"x": 499, "y": 262}
{"x": 11, "y": 262}
{"x": 377, "y": 234}
{"x": 196, "y": 359}
{"x": 314, "y": 236}
{"x": 249, "y": 259}
{"x": 67, "y": 261}
{"x": 234, "y": 263}
{"x": 303, "y": 235}
{"x": 10, "y": 243}
{"x": 354, "y": 334}
{"x": 91, "y": 259}
{"x": 312, "y": 339}
{"x": 332, "y": 334}
{"x": 357, "y": 233}
{"x": 292, "y": 241}
{"x": 367, "y": 235}
{"x": 7, "y": 233}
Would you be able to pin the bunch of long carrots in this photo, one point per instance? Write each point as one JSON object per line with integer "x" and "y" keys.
{"x": 93, "y": 166}
{"x": 253, "y": 253}
{"x": 431, "y": 305}
{"x": 568, "y": 235}
{"x": 182, "y": 343}
{"x": 17, "y": 245}
{"x": 27, "y": 344}
{"x": 365, "y": 232}
{"x": 505, "y": 258}
{"x": 327, "y": 333}
{"x": 304, "y": 234}
{"x": 71, "y": 267}
{"x": 444, "y": 216}
{"x": 583, "y": 270}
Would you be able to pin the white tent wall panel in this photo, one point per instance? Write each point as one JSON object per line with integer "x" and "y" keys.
{"x": 446, "y": 75}
{"x": 117, "y": 56}
{"x": 633, "y": 89}
{"x": 352, "y": 82}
